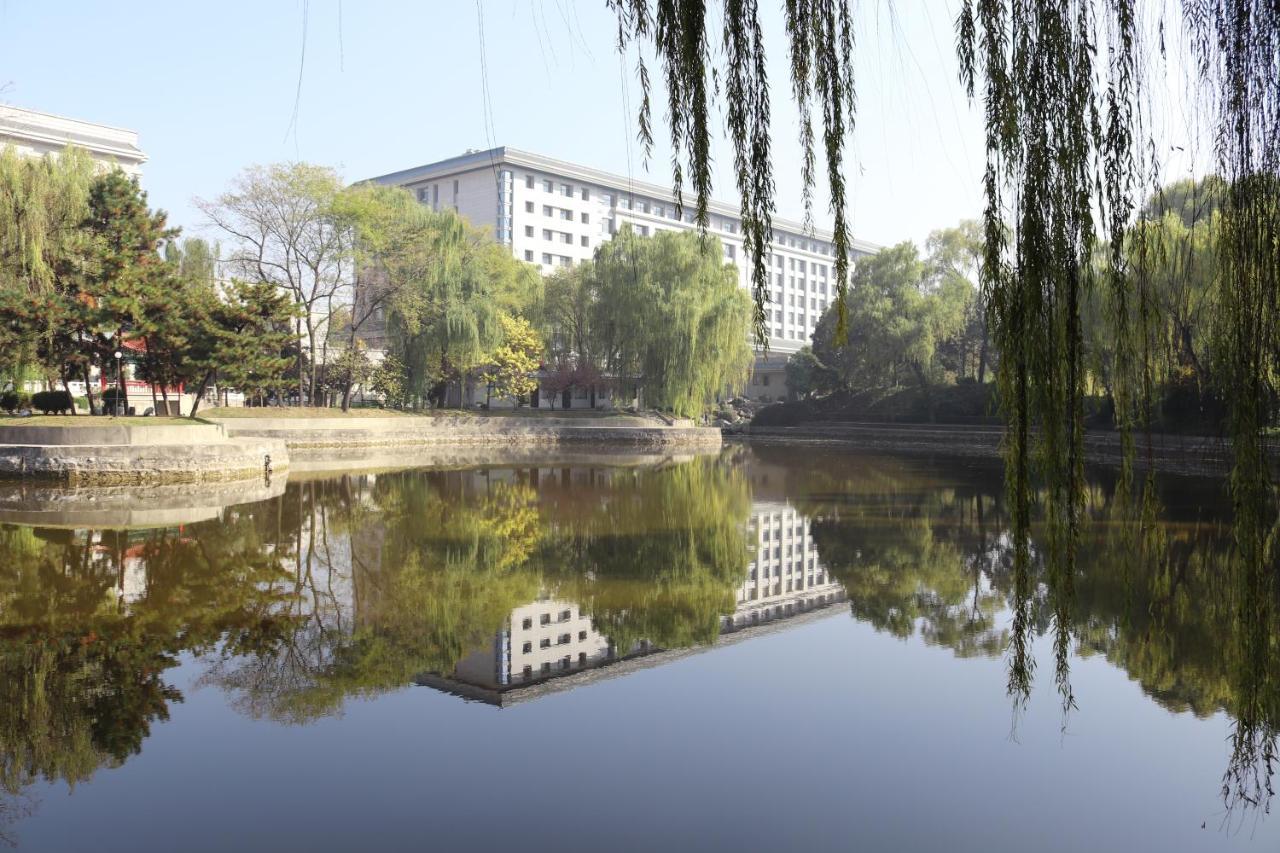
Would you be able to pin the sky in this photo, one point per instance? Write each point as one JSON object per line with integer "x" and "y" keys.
{"x": 377, "y": 86}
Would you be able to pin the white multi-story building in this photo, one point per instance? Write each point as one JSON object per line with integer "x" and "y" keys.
{"x": 36, "y": 134}
{"x": 554, "y": 214}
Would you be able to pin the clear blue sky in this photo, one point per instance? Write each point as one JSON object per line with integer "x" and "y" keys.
{"x": 211, "y": 88}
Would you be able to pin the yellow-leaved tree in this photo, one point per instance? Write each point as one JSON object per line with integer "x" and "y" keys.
{"x": 511, "y": 369}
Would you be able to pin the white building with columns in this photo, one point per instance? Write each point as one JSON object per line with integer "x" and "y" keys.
{"x": 35, "y": 134}
{"x": 553, "y": 213}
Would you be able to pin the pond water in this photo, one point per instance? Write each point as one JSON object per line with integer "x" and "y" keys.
{"x": 772, "y": 648}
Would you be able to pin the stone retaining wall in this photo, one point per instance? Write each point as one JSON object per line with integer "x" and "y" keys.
{"x": 79, "y": 464}
{"x": 1173, "y": 454}
{"x": 465, "y": 432}
{"x": 114, "y": 434}
{"x": 237, "y": 448}
{"x": 46, "y": 505}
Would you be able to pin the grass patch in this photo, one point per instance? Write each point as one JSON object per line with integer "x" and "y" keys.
{"x": 294, "y": 412}
{"x": 297, "y": 412}
{"x": 95, "y": 421}
{"x": 580, "y": 414}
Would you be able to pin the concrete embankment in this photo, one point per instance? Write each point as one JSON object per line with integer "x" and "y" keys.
{"x": 110, "y": 506}
{"x": 118, "y": 455}
{"x": 239, "y": 448}
{"x": 1174, "y": 454}
{"x": 450, "y": 434}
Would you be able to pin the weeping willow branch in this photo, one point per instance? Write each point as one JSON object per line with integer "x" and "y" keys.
{"x": 821, "y": 65}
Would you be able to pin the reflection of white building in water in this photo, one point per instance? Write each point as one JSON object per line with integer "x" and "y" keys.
{"x": 786, "y": 576}
{"x": 546, "y": 640}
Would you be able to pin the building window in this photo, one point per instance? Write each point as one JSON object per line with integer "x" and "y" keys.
{"x": 546, "y": 667}
{"x": 528, "y": 647}
{"x": 528, "y": 207}
{"x": 528, "y": 255}
{"x": 582, "y": 657}
{"x": 528, "y": 231}
{"x": 586, "y": 219}
{"x": 546, "y": 233}
{"x": 566, "y": 214}
{"x": 567, "y": 237}
{"x": 548, "y": 210}
{"x": 563, "y": 638}
{"x": 586, "y": 194}
{"x": 546, "y": 259}
{"x": 586, "y": 241}
{"x": 527, "y": 624}
{"x": 545, "y": 643}
{"x": 566, "y": 615}
{"x": 566, "y": 261}
{"x": 566, "y": 191}
{"x": 528, "y": 181}
{"x": 528, "y": 672}
{"x": 422, "y": 193}
{"x": 547, "y": 186}
{"x": 582, "y": 635}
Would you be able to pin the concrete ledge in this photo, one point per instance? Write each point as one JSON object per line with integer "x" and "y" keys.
{"x": 368, "y": 459}
{"x": 1172, "y": 454}
{"x": 239, "y": 459}
{"x": 465, "y": 432}
{"x": 130, "y": 506}
{"x": 114, "y": 435}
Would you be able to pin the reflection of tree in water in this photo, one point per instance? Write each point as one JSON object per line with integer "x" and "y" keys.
{"x": 1156, "y": 589}
{"x": 656, "y": 556}
{"x": 355, "y": 585}
{"x": 430, "y": 564}
{"x": 83, "y": 657}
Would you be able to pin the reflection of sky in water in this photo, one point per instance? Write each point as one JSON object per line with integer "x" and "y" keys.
{"x": 801, "y": 728}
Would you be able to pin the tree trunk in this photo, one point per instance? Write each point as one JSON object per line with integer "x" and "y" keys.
{"x": 66, "y": 386}
{"x": 924, "y": 388}
{"x": 88, "y": 389}
{"x": 204, "y": 383}
{"x": 982, "y": 353}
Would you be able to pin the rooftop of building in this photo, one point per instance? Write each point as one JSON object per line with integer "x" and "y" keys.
{"x": 20, "y": 122}
{"x": 492, "y": 157}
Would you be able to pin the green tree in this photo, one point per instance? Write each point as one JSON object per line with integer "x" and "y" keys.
{"x": 246, "y": 340}
{"x": 125, "y": 277}
{"x": 43, "y": 206}
{"x": 445, "y": 320}
{"x": 287, "y": 228}
{"x": 896, "y": 322}
{"x": 806, "y": 375}
{"x": 954, "y": 267}
{"x": 663, "y": 311}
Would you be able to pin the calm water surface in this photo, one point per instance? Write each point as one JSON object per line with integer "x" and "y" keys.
{"x": 799, "y": 649}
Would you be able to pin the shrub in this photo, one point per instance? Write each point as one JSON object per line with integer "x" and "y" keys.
{"x": 52, "y": 402}
{"x": 15, "y": 401}
{"x": 785, "y": 414}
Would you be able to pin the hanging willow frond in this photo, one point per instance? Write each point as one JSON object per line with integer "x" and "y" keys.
{"x": 821, "y": 65}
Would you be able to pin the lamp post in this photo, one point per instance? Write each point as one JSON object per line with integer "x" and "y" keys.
{"x": 119, "y": 381}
